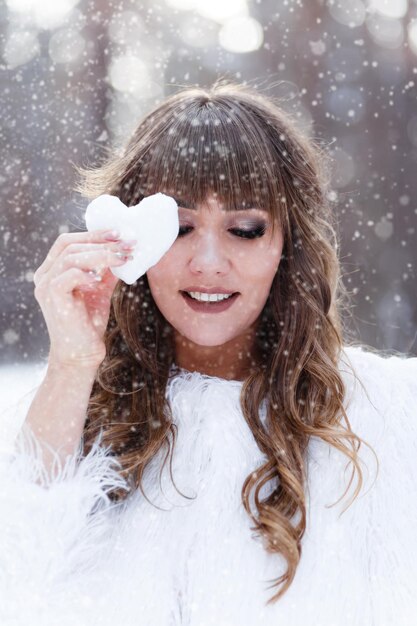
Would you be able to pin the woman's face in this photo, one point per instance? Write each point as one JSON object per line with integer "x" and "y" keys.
{"x": 212, "y": 253}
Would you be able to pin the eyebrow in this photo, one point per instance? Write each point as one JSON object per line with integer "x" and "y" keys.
{"x": 187, "y": 205}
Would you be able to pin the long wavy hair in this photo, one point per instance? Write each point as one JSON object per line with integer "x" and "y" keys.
{"x": 235, "y": 142}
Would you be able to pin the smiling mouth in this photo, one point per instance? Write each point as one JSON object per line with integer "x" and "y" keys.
{"x": 186, "y": 293}
{"x": 206, "y": 306}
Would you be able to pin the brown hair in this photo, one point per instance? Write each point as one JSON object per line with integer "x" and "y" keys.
{"x": 232, "y": 141}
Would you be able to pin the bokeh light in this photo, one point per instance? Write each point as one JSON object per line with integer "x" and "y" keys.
{"x": 216, "y": 10}
{"x": 220, "y": 11}
{"x": 412, "y": 35}
{"x": 130, "y": 74}
{"x": 389, "y": 8}
{"x": 21, "y": 47}
{"x": 350, "y": 13}
{"x": 66, "y": 45}
{"x": 241, "y": 34}
{"x": 125, "y": 28}
{"x": 45, "y": 14}
{"x": 386, "y": 31}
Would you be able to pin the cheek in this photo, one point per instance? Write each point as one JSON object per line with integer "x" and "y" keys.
{"x": 166, "y": 273}
{"x": 261, "y": 269}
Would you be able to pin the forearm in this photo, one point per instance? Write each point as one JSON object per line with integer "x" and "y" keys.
{"x": 58, "y": 411}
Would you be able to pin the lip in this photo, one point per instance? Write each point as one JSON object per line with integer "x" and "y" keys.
{"x": 210, "y": 290}
{"x": 209, "y": 307}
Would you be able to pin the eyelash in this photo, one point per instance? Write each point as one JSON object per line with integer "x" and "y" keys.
{"x": 247, "y": 234}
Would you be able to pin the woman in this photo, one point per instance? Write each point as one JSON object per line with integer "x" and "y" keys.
{"x": 185, "y": 463}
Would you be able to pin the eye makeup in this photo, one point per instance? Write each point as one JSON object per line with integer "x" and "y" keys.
{"x": 249, "y": 231}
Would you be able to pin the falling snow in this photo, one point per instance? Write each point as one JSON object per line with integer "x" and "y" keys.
{"x": 77, "y": 77}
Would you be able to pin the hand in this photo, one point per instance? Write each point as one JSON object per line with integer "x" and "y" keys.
{"x": 75, "y": 305}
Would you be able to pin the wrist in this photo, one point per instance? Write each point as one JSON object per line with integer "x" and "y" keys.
{"x": 83, "y": 366}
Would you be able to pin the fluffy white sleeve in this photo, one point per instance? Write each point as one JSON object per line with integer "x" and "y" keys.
{"x": 390, "y": 537}
{"x": 53, "y": 528}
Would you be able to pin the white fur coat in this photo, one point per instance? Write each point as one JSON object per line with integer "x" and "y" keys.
{"x": 70, "y": 557}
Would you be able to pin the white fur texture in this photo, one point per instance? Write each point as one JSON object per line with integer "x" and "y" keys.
{"x": 69, "y": 557}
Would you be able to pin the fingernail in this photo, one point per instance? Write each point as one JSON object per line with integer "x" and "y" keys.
{"x": 112, "y": 234}
{"x": 127, "y": 245}
{"x": 94, "y": 276}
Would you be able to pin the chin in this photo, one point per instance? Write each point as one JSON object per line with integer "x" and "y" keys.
{"x": 208, "y": 340}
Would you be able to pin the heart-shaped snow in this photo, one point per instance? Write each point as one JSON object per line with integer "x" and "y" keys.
{"x": 153, "y": 222}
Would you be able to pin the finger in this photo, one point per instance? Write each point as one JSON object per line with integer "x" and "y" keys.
{"x": 104, "y": 286}
{"x": 98, "y": 260}
{"x": 65, "y": 239}
{"x": 118, "y": 246}
{"x": 69, "y": 280}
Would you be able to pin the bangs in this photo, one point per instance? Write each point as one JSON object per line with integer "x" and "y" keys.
{"x": 211, "y": 148}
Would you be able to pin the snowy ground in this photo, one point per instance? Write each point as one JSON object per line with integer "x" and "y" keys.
{"x": 18, "y": 384}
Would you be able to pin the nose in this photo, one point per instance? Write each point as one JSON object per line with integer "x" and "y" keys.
{"x": 209, "y": 256}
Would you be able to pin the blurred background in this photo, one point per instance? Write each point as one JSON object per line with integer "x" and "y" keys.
{"x": 77, "y": 76}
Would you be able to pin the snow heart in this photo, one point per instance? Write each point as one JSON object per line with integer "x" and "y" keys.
{"x": 153, "y": 223}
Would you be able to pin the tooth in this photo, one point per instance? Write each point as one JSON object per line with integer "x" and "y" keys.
{"x": 204, "y": 297}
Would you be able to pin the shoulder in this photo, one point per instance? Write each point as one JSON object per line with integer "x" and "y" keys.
{"x": 388, "y": 376}
{"x": 381, "y": 392}
{"x": 371, "y": 360}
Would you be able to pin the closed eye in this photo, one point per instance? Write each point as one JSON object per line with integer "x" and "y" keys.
{"x": 253, "y": 233}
